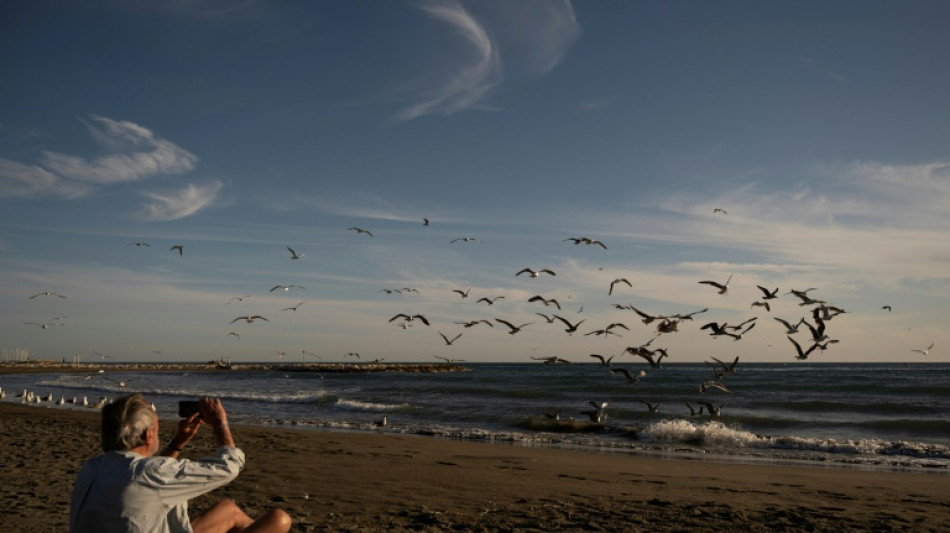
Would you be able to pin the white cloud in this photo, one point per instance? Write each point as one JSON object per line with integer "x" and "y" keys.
{"x": 180, "y": 204}
{"x": 145, "y": 155}
{"x": 19, "y": 180}
{"x": 536, "y": 36}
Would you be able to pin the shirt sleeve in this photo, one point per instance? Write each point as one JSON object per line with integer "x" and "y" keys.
{"x": 178, "y": 480}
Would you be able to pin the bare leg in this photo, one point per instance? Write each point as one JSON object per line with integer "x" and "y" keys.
{"x": 227, "y": 517}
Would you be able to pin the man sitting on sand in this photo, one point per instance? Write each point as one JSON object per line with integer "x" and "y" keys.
{"x": 130, "y": 488}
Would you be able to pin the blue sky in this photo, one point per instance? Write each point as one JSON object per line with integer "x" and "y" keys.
{"x": 236, "y": 129}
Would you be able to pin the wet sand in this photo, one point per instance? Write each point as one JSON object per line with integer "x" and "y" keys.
{"x": 332, "y": 481}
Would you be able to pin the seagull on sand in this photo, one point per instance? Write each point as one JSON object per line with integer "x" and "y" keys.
{"x": 546, "y": 302}
{"x": 533, "y": 273}
{"x": 925, "y": 352}
{"x": 180, "y": 248}
{"x": 249, "y": 319}
{"x": 616, "y": 281}
{"x": 513, "y": 329}
{"x": 409, "y": 318}
{"x": 46, "y": 293}
{"x": 723, "y": 287}
{"x": 447, "y": 341}
{"x": 361, "y": 230}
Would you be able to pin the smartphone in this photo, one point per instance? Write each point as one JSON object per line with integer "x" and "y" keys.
{"x": 187, "y": 408}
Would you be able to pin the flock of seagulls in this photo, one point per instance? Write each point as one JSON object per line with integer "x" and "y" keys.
{"x": 815, "y": 323}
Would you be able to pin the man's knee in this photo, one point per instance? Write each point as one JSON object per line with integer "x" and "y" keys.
{"x": 280, "y": 519}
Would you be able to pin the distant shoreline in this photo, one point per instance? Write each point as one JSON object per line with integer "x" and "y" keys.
{"x": 28, "y": 367}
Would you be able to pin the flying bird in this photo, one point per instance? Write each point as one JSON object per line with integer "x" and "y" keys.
{"x": 447, "y": 341}
{"x": 720, "y": 211}
{"x": 513, "y": 329}
{"x": 886, "y": 307}
{"x": 604, "y": 362}
{"x": 802, "y": 355}
{"x": 472, "y": 323}
{"x": 180, "y": 248}
{"x": 489, "y": 301}
{"x": 723, "y": 287}
{"x": 425, "y": 221}
{"x": 552, "y": 360}
{"x": 286, "y": 288}
{"x": 249, "y": 319}
{"x": 926, "y": 351}
{"x": 631, "y": 378}
{"x": 448, "y": 360}
{"x": 768, "y": 295}
{"x": 651, "y": 407}
{"x": 293, "y": 254}
{"x": 706, "y": 385}
{"x": 571, "y": 328}
{"x": 463, "y": 293}
{"x": 138, "y": 244}
{"x": 790, "y": 329}
{"x": 46, "y": 293}
{"x": 409, "y": 318}
{"x": 240, "y": 298}
{"x": 552, "y": 301}
{"x": 294, "y": 308}
{"x": 463, "y": 239}
{"x": 534, "y": 274}
{"x": 361, "y": 230}
{"x": 616, "y": 281}
{"x": 585, "y": 240}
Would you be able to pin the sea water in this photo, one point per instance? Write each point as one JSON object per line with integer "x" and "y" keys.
{"x": 863, "y": 415}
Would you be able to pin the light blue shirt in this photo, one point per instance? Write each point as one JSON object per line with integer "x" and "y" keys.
{"x": 123, "y": 492}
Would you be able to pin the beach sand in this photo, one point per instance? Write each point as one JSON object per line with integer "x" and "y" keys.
{"x": 334, "y": 481}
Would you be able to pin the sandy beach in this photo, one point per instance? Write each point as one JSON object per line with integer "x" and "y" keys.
{"x": 332, "y": 481}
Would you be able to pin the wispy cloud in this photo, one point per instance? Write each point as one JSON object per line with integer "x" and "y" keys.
{"x": 25, "y": 181}
{"x": 146, "y": 155}
{"x": 538, "y": 32}
{"x": 180, "y": 204}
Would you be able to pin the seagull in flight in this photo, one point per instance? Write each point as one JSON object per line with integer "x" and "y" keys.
{"x": 723, "y": 287}
{"x": 463, "y": 239}
{"x": 802, "y": 355}
{"x": 585, "y": 240}
{"x": 41, "y": 325}
{"x": 549, "y": 319}
{"x": 768, "y": 295}
{"x": 239, "y": 298}
{"x": 293, "y": 254}
{"x": 886, "y": 307}
{"x": 294, "y": 308}
{"x": 409, "y": 318}
{"x": 234, "y": 333}
{"x": 490, "y": 301}
{"x": 925, "y": 352}
{"x": 539, "y": 298}
{"x": 179, "y": 247}
{"x": 46, "y": 293}
{"x": 448, "y": 360}
{"x": 534, "y": 274}
{"x": 616, "y": 281}
{"x": 447, "y": 341}
{"x": 604, "y": 362}
{"x": 790, "y": 329}
{"x": 463, "y": 293}
{"x": 720, "y": 211}
{"x": 249, "y": 319}
{"x": 138, "y": 244}
{"x": 286, "y": 288}
{"x": 513, "y": 329}
{"x": 552, "y": 360}
{"x": 631, "y": 378}
{"x": 651, "y": 407}
{"x": 472, "y": 323}
{"x": 706, "y": 385}
{"x": 571, "y": 328}
{"x": 361, "y": 230}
